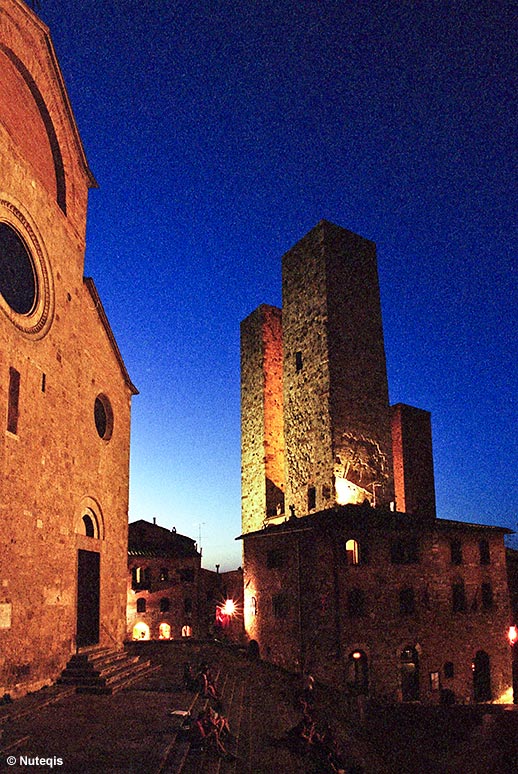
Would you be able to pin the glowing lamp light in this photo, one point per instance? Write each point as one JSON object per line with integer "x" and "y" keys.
{"x": 357, "y": 655}
{"x": 229, "y": 608}
{"x": 512, "y": 635}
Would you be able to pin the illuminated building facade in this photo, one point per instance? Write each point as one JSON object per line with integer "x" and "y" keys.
{"x": 164, "y": 595}
{"x": 64, "y": 390}
{"x": 170, "y": 596}
{"x": 347, "y": 570}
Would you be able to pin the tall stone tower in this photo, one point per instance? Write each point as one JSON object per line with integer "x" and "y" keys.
{"x": 324, "y": 416}
{"x": 262, "y": 450}
{"x": 336, "y": 413}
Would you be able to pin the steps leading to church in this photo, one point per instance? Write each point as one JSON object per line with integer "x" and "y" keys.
{"x": 103, "y": 670}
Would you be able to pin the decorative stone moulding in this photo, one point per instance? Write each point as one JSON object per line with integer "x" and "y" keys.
{"x": 36, "y": 320}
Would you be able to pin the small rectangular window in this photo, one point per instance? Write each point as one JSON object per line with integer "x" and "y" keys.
{"x": 279, "y": 606}
{"x": 298, "y": 361}
{"x": 312, "y": 498}
{"x": 14, "y": 396}
{"x": 456, "y": 552}
{"x": 43, "y": 382}
{"x": 485, "y": 557}
{"x": 458, "y": 598}
{"x": 356, "y": 603}
{"x": 407, "y": 601}
{"x": 487, "y": 596}
{"x": 274, "y": 559}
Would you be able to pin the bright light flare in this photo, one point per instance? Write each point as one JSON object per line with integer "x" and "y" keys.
{"x": 512, "y": 635}
{"x": 229, "y": 608}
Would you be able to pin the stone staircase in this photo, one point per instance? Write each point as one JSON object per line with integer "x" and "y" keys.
{"x": 104, "y": 670}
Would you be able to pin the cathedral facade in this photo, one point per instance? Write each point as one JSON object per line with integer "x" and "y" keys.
{"x": 64, "y": 389}
{"x": 348, "y": 572}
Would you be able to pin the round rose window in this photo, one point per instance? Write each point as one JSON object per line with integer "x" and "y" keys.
{"x": 17, "y": 276}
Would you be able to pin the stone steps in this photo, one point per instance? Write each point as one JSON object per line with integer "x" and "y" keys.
{"x": 103, "y": 670}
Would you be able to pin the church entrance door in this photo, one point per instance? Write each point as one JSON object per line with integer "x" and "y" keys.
{"x": 88, "y": 596}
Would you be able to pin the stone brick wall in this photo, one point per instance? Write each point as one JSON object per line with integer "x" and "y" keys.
{"x": 262, "y": 452}
{"x": 55, "y": 468}
{"x": 414, "y": 485}
{"x": 320, "y": 631}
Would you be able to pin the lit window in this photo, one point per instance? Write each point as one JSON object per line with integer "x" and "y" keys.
{"x": 253, "y": 606}
{"x": 186, "y": 631}
{"x": 141, "y": 631}
{"x": 352, "y": 551}
{"x": 164, "y": 631}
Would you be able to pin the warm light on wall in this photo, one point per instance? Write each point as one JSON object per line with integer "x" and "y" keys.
{"x": 512, "y": 635}
{"x": 348, "y": 493}
{"x": 141, "y": 631}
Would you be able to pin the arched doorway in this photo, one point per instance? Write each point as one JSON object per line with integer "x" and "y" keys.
{"x": 409, "y": 672}
{"x": 357, "y": 673}
{"x": 164, "y": 631}
{"x": 141, "y": 631}
{"x": 481, "y": 676}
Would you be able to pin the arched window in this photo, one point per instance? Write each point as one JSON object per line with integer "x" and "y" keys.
{"x": 141, "y": 631}
{"x": 88, "y": 525}
{"x": 186, "y": 631}
{"x": 141, "y": 605}
{"x": 352, "y": 550}
{"x": 164, "y": 631}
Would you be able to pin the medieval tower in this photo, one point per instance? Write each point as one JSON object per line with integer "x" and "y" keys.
{"x": 316, "y": 423}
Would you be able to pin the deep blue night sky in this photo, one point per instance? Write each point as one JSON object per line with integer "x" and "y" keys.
{"x": 219, "y": 134}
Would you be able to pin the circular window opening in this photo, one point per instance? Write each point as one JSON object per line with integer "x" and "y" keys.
{"x": 103, "y": 416}
{"x": 17, "y": 277}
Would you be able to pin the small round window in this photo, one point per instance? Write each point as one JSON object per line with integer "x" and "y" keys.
{"x": 17, "y": 276}
{"x": 103, "y": 416}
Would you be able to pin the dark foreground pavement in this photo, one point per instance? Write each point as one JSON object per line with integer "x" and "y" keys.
{"x": 132, "y": 731}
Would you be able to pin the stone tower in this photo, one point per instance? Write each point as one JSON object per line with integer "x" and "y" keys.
{"x": 324, "y": 415}
{"x": 262, "y": 452}
{"x": 336, "y": 413}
